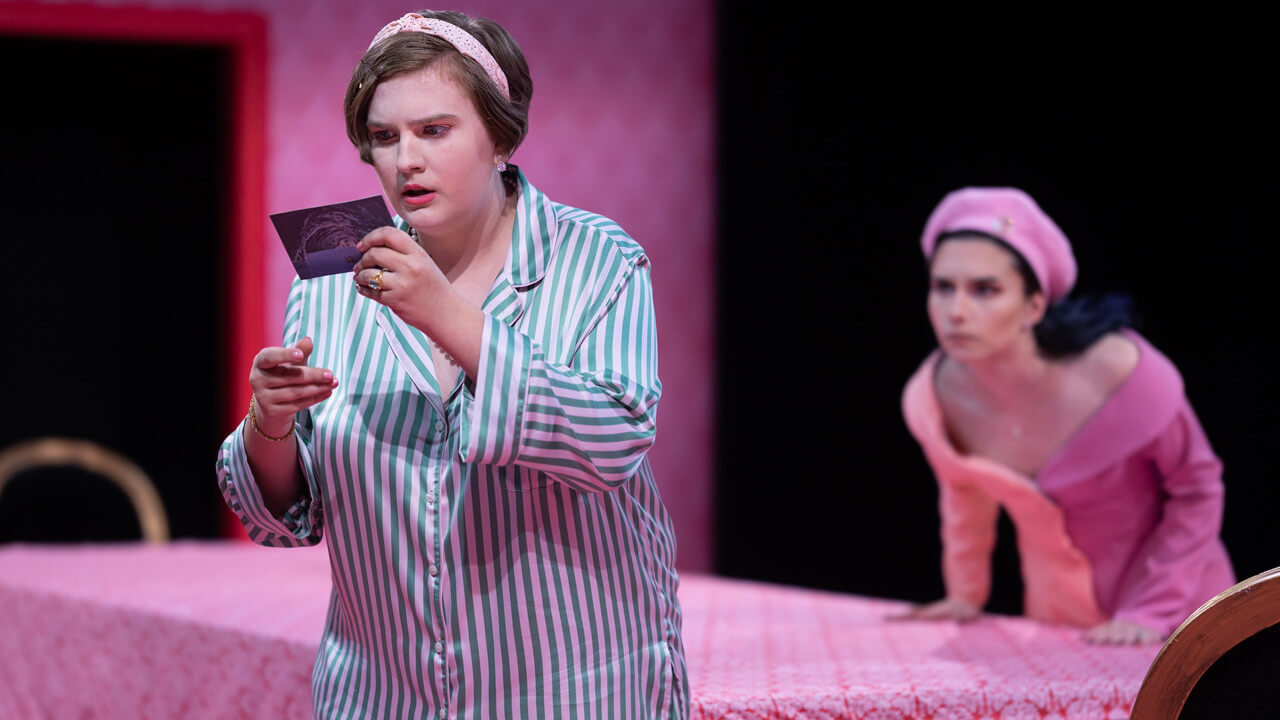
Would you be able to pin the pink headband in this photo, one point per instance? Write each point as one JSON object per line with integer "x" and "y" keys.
{"x": 456, "y": 36}
{"x": 1011, "y": 215}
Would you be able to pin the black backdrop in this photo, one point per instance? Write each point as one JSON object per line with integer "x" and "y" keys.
{"x": 1150, "y": 138}
{"x": 111, "y": 185}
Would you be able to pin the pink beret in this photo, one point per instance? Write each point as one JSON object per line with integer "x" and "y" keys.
{"x": 1011, "y": 215}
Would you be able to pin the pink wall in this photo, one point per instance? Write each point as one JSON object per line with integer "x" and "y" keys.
{"x": 622, "y": 123}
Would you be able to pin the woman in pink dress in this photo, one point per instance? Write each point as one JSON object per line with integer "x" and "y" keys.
{"x": 1052, "y": 408}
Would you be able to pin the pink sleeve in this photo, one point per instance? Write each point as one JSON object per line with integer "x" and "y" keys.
{"x": 968, "y": 537}
{"x": 1160, "y": 588}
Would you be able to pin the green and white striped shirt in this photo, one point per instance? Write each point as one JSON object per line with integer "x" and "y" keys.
{"x": 502, "y": 553}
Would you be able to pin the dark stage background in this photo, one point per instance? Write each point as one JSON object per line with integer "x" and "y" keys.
{"x": 112, "y": 335}
{"x": 1148, "y": 136}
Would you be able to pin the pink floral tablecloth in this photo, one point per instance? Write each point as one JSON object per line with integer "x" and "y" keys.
{"x": 230, "y": 630}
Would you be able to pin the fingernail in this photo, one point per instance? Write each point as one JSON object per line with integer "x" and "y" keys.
{"x": 335, "y": 382}
{"x": 297, "y": 354}
{"x": 327, "y": 375}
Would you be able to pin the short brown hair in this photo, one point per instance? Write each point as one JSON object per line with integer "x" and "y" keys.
{"x": 506, "y": 120}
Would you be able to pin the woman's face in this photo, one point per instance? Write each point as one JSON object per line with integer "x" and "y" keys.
{"x": 432, "y": 151}
{"x": 977, "y": 301}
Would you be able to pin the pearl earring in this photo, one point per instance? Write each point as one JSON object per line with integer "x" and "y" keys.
{"x": 500, "y": 163}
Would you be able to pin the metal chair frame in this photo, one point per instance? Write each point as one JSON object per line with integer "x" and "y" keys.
{"x": 94, "y": 458}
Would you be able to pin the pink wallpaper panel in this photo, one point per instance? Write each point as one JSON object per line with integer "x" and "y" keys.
{"x": 622, "y": 123}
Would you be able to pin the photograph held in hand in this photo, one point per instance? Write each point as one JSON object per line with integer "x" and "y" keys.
{"x": 322, "y": 240}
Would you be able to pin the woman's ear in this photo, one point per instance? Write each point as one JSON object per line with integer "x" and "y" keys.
{"x": 1036, "y": 308}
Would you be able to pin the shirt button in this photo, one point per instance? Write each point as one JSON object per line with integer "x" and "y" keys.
{"x": 439, "y": 425}
{"x": 439, "y": 647}
{"x": 431, "y": 498}
{"x": 433, "y": 570}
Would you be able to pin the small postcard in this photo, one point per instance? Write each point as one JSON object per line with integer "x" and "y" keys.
{"x": 322, "y": 240}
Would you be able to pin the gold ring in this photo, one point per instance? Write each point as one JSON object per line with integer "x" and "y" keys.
{"x": 375, "y": 283}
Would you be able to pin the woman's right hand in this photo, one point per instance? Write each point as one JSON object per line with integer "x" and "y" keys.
{"x": 944, "y": 609}
{"x": 283, "y": 384}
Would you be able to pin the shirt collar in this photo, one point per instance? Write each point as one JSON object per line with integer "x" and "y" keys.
{"x": 534, "y": 235}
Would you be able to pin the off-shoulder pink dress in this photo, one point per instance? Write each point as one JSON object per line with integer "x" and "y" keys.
{"x": 1122, "y": 522}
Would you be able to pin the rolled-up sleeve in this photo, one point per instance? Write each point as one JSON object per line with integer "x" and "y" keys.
{"x": 587, "y": 422}
{"x": 301, "y": 524}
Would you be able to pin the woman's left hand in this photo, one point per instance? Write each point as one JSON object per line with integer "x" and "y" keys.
{"x": 409, "y": 279}
{"x": 1121, "y": 632}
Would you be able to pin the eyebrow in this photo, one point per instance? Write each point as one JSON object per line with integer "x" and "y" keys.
{"x": 420, "y": 121}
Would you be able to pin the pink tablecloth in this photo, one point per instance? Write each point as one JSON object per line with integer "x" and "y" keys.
{"x": 230, "y": 630}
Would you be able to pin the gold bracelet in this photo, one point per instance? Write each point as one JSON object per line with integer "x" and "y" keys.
{"x": 253, "y": 422}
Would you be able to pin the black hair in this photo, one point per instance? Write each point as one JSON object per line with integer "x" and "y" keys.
{"x": 1072, "y": 324}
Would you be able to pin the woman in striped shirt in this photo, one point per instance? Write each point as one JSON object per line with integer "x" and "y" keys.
{"x": 498, "y": 545}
